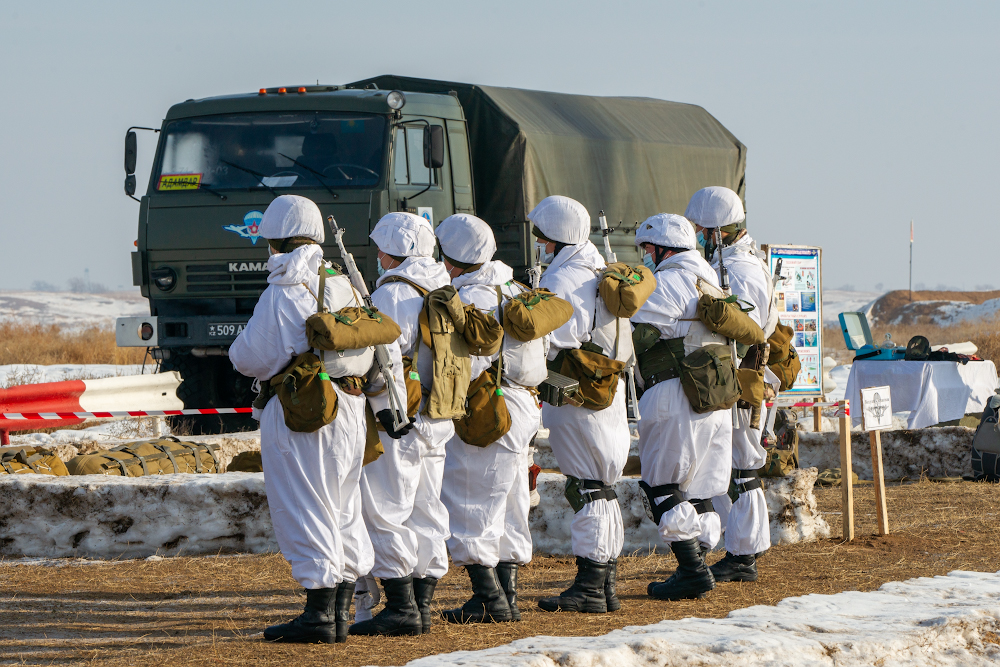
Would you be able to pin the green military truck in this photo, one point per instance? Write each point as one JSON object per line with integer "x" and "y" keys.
{"x": 365, "y": 149}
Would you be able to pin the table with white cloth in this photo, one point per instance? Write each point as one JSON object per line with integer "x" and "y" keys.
{"x": 931, "y": 391}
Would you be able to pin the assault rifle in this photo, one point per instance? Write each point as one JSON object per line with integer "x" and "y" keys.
{"x": 609, "y": 254}
{"x": 396, "y": 404}
{"x": 724, "y": 284}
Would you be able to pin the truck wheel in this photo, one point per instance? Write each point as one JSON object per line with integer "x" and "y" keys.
{"x": 210, "y": 382}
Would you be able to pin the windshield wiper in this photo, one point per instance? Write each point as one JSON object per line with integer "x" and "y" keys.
{"x": 320, "y": 177}
{"x": 258, "y": 176}
{"x": 202, "y": 186}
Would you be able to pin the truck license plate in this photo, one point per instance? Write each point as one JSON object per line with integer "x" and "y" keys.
{"x": 225, "y": 329}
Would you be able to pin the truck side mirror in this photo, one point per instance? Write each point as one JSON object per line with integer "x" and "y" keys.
{"x": 131, "y": 152}
{"x": 433, "y": 146}
{"x": 130, "y": 185}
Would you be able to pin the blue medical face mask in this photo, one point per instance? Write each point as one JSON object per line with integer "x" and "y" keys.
{"x": 649, "y": 262}
{"x": 381, "y": 269}
{"x": 701, "y": 240}
{"x": 544, "y": 257}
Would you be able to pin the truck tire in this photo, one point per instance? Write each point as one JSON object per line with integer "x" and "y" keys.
{"x": 210, "y": 382}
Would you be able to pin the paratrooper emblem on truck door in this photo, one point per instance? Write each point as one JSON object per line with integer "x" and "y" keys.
{"x": 250, "y": 227}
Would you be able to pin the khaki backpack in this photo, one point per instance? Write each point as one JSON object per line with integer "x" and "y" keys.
{"x": 305, "y": 388}
{"x": 308, "y": 399}
{"x": 452, "y": 331}
{"x": 783, "y": 359}
{"x": 487, "y": 418}
{"x": 725, "y": 317}
{"x": 535, "y": 313}
{"x": 164, "y": 456}
{"x": 26, "y": 460}
{"x": 595, "y": 371}
{"x": 625, "y": 288}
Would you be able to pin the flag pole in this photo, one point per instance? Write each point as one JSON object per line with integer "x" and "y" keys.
{"x": 911, "y": 260}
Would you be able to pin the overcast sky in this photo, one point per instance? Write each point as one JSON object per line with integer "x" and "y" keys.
{"x": 857, "y": 116}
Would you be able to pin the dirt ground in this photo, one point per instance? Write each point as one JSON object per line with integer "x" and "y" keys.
{"x": 210, "y": 611}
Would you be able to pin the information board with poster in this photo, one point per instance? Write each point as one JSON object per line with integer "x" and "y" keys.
{"x": 799, "y": 290}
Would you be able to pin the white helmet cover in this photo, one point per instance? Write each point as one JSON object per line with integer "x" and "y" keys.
{"x": 404, "y": 235}
{"x": 716, "y": 206}
{"x": 562, "y": 219}
{"x": 292, "y": 215}
{"x": 667, "y": 230}
{"x": 466, "y": 238}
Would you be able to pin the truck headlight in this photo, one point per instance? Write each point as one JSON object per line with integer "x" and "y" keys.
{"x": 165, "y": 278}
{"x": 396, "y": 100}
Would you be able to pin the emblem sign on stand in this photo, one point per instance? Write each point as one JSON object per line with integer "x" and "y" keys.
{"x": 876, "y": 416}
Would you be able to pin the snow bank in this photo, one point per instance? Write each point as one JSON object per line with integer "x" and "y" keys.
{"x": 790, "y": 504}
{"x": 112, "y": 517}
{"x": 71, "y": 310}
{"x": 926, "y": 621}
{"x": 936, "y": 452}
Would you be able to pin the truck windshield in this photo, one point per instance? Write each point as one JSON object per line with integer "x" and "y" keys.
{"x": 298, "y": 149}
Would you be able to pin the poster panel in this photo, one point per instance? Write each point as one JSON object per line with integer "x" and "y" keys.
{"x": 799, "y": 290}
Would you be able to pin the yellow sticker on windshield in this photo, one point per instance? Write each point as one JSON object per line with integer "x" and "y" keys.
{"x": 179, "y": 182}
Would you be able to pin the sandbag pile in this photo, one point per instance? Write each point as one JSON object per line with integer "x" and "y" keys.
{"x": 164, "y": 456}
{"x": 28, "y": 460}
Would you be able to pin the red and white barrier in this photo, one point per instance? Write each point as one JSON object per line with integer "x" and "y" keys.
{"x": 69, "y": 403}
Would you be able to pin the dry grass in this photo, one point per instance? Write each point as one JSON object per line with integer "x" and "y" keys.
{"x": 985, "y": 334}
{"x": 46, "y": 345}
{"x": 197, "y": 611}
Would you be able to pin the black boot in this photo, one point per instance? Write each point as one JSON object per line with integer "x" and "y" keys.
{"x": 735, "y": 568}
{"x": 400, "y": 615}
{"x": 507, "y": 576}
{"x": 488, "y": 603}
{"x": 423, "y": 592}
{"x": 614, "y": 604}
{"x": 315, "y": 625}
{"x": 345, "y": 593}
{"x": 587, "y": 592}
{"x": 691, "y": 580}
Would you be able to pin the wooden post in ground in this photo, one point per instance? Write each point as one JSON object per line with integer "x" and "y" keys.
{"x": 817, "y": 417}
{"x": 878, "y": 475}
{"x": 846, "y": 476}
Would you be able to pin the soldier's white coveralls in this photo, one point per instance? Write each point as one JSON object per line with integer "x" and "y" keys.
{"x": 677, "y": 445}
{"x": 747, "y": 530}
{"x": 486, "y": 488}
{"x": 588, "y": 444}
{"x": 312, "y": 479}
{"x": 401, "y": 491}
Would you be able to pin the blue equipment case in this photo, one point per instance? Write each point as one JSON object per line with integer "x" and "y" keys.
{"x": 858, "y": 337}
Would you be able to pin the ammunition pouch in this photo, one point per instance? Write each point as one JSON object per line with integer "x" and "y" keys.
{"x": 580, "y": 492}
{"x": 658, "y": 361}
{"x": 738, "y": 489}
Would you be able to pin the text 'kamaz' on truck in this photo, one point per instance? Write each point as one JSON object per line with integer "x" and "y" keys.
{"x": 368, "y": 148}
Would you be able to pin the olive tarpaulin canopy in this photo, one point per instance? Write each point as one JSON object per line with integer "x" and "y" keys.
{"x": 629, "y": 156}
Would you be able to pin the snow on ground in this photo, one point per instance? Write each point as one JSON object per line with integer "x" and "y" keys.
{"x": 935, "y": 452}
{"x": 946, "y": 313}
{"x": 70, "y": 310}
{"x": 112, "y": 517}
{"x": 948, "y": 620}
{"x": 837, "y": 301}
{"x": 12, "y": 374}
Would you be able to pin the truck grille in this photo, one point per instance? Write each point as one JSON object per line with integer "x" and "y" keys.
{"x": 215, "y": 279}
